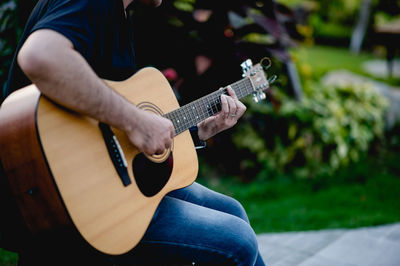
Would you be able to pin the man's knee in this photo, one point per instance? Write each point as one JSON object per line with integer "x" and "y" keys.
{"x": 244, "y": 244}
{"x": 237, "y": 209}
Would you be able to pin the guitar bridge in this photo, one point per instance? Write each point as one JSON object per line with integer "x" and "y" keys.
{"x": 116, "y": 154}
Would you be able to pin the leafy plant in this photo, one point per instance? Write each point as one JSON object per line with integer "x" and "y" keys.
{"x": 331, "y": 127}
{"x": 8, "y": 37}
{"x": 13, "y": 16}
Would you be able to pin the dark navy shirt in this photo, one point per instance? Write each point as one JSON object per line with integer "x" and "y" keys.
{"x": 98, "y": 29}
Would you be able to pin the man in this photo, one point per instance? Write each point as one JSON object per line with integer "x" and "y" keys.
{"x": 67, "y": 48}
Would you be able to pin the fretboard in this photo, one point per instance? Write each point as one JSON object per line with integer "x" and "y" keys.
{"x": 193, "y": 113}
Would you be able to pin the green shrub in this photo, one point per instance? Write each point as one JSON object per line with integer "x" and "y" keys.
{"x": 331, "y": 127}
{"x": 13, "y": 15}
{"x": 8, "y": 36}
{"x": 329, "y": 29}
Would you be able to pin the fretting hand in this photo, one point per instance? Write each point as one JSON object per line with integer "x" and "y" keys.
{"x": 231, "y": 110}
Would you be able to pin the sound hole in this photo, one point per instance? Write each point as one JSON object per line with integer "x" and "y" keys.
{"x": 152, "y": 172}
{"x": 151, "y": 176}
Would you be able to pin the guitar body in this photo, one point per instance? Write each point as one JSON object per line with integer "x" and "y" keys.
{"x": 61, "y": 171}
{"x": 67, "y": 169}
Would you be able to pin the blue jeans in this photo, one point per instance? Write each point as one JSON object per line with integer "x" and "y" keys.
{"x": 196, "y": 224}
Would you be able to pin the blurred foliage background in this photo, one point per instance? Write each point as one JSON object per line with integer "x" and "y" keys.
{"x": 314, "y": 155}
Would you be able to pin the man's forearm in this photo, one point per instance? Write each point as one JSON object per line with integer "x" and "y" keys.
{"x": 63, "y": 75}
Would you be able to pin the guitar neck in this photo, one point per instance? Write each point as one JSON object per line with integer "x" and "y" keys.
{"x": 193, "y": 113}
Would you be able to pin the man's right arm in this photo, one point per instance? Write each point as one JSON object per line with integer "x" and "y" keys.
{"x": 62, "y": 74}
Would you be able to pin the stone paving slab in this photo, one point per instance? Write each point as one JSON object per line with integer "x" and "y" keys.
{"x": 360, "y": 248}
{"x": 379, "y": 68}
{"x": 342, "y": 247}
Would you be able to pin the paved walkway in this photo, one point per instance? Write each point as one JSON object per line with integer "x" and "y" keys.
{"x": 378, "y": 246}
{"x": 379, "y": 68}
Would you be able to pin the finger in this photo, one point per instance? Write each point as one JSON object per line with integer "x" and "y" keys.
{"x": 224, "y": 105}
{"x": 168, "y": 144}
{"x": 162, "y": 147}
{"x": 159, "y": 152}
{"x": 232, "y": 93}
{"x": 241, "y": 108}
{"x": 169, "y": 127}
{"x": 172, "y": 131}
{"x": 151, "y": 150}
{"x": 232, "y": 107}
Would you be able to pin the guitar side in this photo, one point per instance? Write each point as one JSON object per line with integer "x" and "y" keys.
{"x": 27, "y": 171}
{"x": 112, "y": 217}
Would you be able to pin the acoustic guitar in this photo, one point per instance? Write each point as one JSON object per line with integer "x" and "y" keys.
{"x": 68, "y": 169}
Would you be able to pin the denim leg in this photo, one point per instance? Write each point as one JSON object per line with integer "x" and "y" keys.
{"x": 200, "y": 195}
{"x": 203, "y": 196}
{"x": 183, "y": 231}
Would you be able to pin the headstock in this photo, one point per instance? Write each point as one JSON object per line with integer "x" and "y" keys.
{"x": 257, "y": 77}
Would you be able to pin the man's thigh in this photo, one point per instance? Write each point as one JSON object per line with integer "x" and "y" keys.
{"x": 203, "y": 196}
{"x": 182, "y": 232}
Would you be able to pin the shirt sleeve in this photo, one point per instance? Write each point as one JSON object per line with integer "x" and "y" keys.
{"x": 78, "y": 20}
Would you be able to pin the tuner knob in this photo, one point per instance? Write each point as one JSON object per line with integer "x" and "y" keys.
{"x": 248, "y": 63}
{"x": 272, "y": 79}
{"x": 255, "y": 98}
{"x": 246, "y": 66}
{"x": 261, "y": 95}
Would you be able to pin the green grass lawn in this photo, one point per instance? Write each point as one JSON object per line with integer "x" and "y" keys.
{"x": 316, "y": 61}
{"x": 363, "y": 194}
{"x": 7, "y": 258}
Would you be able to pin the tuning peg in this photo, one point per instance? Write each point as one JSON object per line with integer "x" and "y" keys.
{"x": 265, "y": 63}
{"x": 261, "y": 95}
{"x": 246, "y": 66}
{"x": 249, "y": 63}
{"x": 255, "y": 98}
{"x": 272, "y": 79}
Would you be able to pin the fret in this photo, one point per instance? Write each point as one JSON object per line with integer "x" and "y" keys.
{"x": 196, "y": 115}
{"x": 178, "y": 121}
{"x": 184, "y": 117}
{"x": 242, "y": 87}
{"x": 214, "y": 108}
{"x": 187, "y": 115}
{"x": 204, "y": 113}
{"x": 176, "y": 118}
{"x": 208, "y": 106}
{"x": 192, "y": 111}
